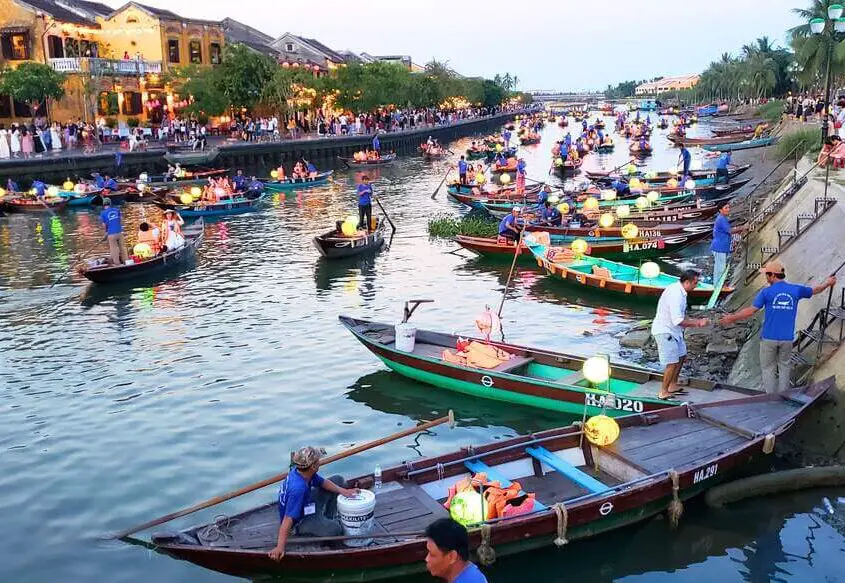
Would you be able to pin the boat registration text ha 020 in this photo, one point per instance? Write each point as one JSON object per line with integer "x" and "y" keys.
{"x": 613, "y": 402}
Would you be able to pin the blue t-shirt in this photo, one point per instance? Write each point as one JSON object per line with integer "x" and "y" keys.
{"x": 310, "y": 167}
{"x": 462, "y": 167}
{"x": 365, "y": 191}
{"x": 550, "y": 214}
{"x": 520, "y": 167}
{"x": 508, "y": 221}
{"x": 238, "y": 182}
{"x": 111, "y": 184}
{"x": 471, "y": 574}
{"x": 99, "y": 181}
{"x": 723, "y": 162}
{"x": 721, "y": 235}
{"x": 376, "y": 144}
{"x": 506, "y": 136}
{"x": 295, "y": 495}
{"x": 686, "y": 157}
{"x": 111, "y": 219}
{"x": 780, "y": 301}
{"x": 40, "y": 188}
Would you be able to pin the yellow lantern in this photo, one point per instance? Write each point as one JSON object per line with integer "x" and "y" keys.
{"x": 601, "y": 430}
{"x": 499, "y": 147}
{"x": 558, "y": 162}
{"x": 649, "y": 270}
{"x": 608, "y": 194}
{"x": 186, "y": 198}
{"x": 142, "y": 250}
{"x": 563, "y": 208}
{"x": 596, "y": 369}
{"x": 690, "y": 184}
{"x": 275, "y": 173}
{"x": 635, "y": 184}
{"x": 196, "y": 191}
{"x": 641, "y": 202}
{"x": 53, "y": 191}
{"x": 632, "y": 169}
{"x": 623, "y": 211}
{"x": 505, "y": 178}
{"x": 652, "y": 196}
{"x": 68, "y": 185}
{"x": 349, "y": 229}
{"x": 630, "y": 231}
{"x": 672, "y": 183}
{"x": 591, "y": 203}
{"x": 606, "y": 220}
{"x": 579, "y": 246}
{"x": 2, "y": 191}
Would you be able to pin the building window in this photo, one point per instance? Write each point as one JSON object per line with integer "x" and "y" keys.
{"x": 195, "y": 52}
{"x": 15, "y": 46}
{"x": 107, "y": 103}
{"x": 173, "y": 51}
{"x": 290, "y": 48}
{"x": 55, "y": 47}
{"x": 5, "y": 107}
{"x": 72, "y": 48}
{"x": 132, "y": 104}
{"x": 216, "y": 55}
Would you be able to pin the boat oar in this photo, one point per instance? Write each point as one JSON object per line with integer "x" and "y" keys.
{"x": 450, "y": 418}
{"x": 81, "y": 257}
{"x": 386, "y": 216}
{"x": 439, "y": 186}
{"x": 510, "y": 273}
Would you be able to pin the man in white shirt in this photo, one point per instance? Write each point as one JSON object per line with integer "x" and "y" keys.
{"x": 667, "y": 329}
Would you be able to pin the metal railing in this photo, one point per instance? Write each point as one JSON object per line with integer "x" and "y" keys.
{"x": 93, "y": 66}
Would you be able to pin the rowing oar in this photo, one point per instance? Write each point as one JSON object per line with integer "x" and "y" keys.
{"x": 510, "y": 273}
{"x": 81, "y": 257}
{"x": 450, "y": 418}
{"x": 439, "y": 186}
{"x": 386, "y": 216}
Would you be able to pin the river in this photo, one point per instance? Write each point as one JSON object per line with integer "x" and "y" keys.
{"x": 121, "y": 404}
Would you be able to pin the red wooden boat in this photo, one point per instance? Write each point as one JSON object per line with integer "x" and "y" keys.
{"x": 687, "y": 141}
{"x": 26, "y": 204}
{"x": 383, "y": 160}
{"x": 659, "y": 460}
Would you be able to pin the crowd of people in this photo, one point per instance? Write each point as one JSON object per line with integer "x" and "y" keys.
{"x": 41, "y": 137}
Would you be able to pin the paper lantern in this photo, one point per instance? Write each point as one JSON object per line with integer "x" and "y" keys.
{"x": 608, "y": 194}
{"x": 579, "y": 246}
{"x": 53, "y": 191}
{"x": 635, "y": 184}
{"x": 68, "y": 185}
{"x": 468, "y": 507}
{"x": 623, "y": 211}
{"x": 672, "y": 183}
{"x": 641, "y": 202}
{"x": 351, "y": 219}
{"x": 601, "y": 430}
{"x": 196, "y": 191}
{"x": 499, "y": 147}
{"x": 558, "y": 162}
{"x": 649, "y": 270}
{"x": 630, "y": 231}
{"x": 653, "y": 196}
{"x": 275, "y": 173}
{"x": 563, "y": 208}
{"x": 142, "y": 250}
{"x": 591, "y": 203}
{"x": 632, "y": 169}
{"x": 349, "y": 229}
{"x": 186, "y": 198}
{"x": 596, "y": 369}
{"x": 554, "y": 199}
{"x": 2, "y": 191}
{"x": 689, "y": 184}
{"x": 606, "y": 220}
{"x": 505, "y": 178}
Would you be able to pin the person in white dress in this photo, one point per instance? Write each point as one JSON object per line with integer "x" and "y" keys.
{"x": 55, "y": 137}
{"x": 171, "y": 230}
{"x": 15, "y": 141}
{"x": 5, "y": 153}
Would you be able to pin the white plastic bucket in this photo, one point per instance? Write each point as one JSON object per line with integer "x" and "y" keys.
{"x": 356, "y": 517}
{"x": 405, "y": 337}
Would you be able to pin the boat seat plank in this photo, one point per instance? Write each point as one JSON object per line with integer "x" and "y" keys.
{"x": 513, "y": 364}
{"x": 477, "y": 466}
{"x": 406, "y": 508}
{"x": 634, "y": 437}
{"x": 762, "y": 418}
{"x": 701, "y": 436}
{"x": 572, "y": 379}
{"x": 692, "y": 453}
{"x": 581, "y": 478}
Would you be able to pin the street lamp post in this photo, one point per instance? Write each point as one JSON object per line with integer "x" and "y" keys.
{"x": 818, "y": 26}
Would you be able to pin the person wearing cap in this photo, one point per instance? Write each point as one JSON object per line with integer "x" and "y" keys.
{"x": 779, "y": 301}
{"x": 307, "y": 501}
{"x": 667, "y": 328}
{"x": 509, "y": 228}
{"x": 549, "y": 215}
{"x": 721, "y": 245}
{"x": 110, "y": 217}
{"x": 447, "y": 553}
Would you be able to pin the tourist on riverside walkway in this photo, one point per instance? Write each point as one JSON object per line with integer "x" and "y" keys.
{"x": 721, "y": 245}
{"x": 448, "y": 553}
{"x": 779, "y": 301}
{"x": 365, "y": 204}
{"x": 668, "y": 330}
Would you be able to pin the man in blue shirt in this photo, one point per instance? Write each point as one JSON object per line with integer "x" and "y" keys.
{"x": 99, "y": 181}
{"x": 685, "y": 158}
{"x": 40, "y": 188}
{"x": 721, "y": 245}
{"x": 506, "y": 135}
{"x": 307, "y": 501}
{"x": 509, "y": 228}
{"x": 780, "y": 302}
{"x": 549, "y": 215}
{"x": 462, "y": 170}
{"x": 110, "y": 217}
{"x": 447, "y": 555}
{"x": 365, "y": 204}
{"x": 722, "y": 167}
{"x": 376, "y": 144}
{"x": 239, "y": 181}
{"x": 110, "y": 184}
{"x": 567, "y": 140}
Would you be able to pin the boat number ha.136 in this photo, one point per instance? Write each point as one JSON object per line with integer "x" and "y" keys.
{"x": 619, "y": 403}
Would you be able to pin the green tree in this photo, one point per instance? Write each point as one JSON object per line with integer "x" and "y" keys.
{"x": 243, "y": 75}
{"x": 32, "y": 83}
{"x": 811, "y": 50}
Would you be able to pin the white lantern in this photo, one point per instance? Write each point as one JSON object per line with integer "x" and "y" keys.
{"x": 834, "y": 11}
{"x": 53, "y": 191}
{"x": 839, "y": 25}
{"x": 689, "y": 184}
{"x": 650, "y": 270}
{"x": 596, "y": 369}
{"x": 623, "y": 211}
{"x": 817, "y": 25}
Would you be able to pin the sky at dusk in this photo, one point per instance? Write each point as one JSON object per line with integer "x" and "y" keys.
{"x": 565, "y": 44}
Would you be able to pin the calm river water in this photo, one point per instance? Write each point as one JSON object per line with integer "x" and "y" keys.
{"x": 121, "y": 404}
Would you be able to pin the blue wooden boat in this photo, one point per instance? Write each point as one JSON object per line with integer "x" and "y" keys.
{"x": 707, "y": 110}
{"x": 234, "y": 206}
{"x": 289, "y": 184}
{"x": 746, "y": 145}
{"x": 77, "y": 199}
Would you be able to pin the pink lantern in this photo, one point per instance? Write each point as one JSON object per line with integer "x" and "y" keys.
{"x": 285, "y": 65}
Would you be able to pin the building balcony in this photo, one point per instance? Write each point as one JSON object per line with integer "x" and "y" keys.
{"x": 131, "y": 67}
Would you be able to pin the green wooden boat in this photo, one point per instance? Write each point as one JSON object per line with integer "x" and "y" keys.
{"x": 289, "y": 184}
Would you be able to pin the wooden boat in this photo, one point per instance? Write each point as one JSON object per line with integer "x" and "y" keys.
{"x": 332, "y": 245}
{"x": 581, "y": 490}
{"x": 476, "y": 154}
{"x": 82, "y": 199}
{"x": 100, "y": 272}
{"x": 730, "y": 131}
{"x": 234, "y": 206}
{"x": 29, "y": 204}
{"x": 746, "y": 145}
{"x": 199, "y": 177}
{"x": 529, "y": 140}
{"x": 464, "y": 192}
{"x": 635, "y": 150}
{"x": 436, "y": 155}
{"x": 568, "y": 168}
{"x": 610, "y": 276}
{"x": 609, "y": 248}
{"x": 184, "y": 155}
{"x": 687, "y": 141}
{"x": 496, "y": 169}
{"x": 648, "y": 229}
{"x": 289, "y": 184}
{"x": 384, "y": 160}
{"x": 605, "y": 148}
{"x": 563, "y": 122}
{"x": 657, "y": 177}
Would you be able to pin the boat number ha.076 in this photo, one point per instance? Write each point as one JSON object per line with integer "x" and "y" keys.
{"x": 487, "y": 381}
{"x": 707, "y": 472}
{"x": 630, "y": 405}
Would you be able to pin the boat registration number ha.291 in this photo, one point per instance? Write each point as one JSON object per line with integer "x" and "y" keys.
{"x": 613, "y": 402}
{"x": 707, "y": 472}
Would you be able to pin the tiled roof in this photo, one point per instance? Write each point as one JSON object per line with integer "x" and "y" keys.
{"x": 323, "y": 49}
{"x": 60, "y": 13}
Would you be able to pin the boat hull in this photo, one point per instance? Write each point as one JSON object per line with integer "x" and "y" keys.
{"x": 332, "y": 247}
{"x": 288, "y": 186}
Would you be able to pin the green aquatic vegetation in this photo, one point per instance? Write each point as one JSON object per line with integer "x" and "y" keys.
{"x": 447, "y": 226}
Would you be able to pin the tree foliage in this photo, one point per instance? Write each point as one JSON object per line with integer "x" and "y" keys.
{"x": 32, "y": 83}
{"x": 811, "y": 50}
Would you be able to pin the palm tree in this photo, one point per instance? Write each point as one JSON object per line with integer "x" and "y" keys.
{"x": 811, "y": 50}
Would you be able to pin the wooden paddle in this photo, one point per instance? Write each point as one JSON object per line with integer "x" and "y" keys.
{"x": 439, "y": 186}
{"x": 386, "y": 216}
{"x": 510, "y": 273}
{"x": 450, "y": 418}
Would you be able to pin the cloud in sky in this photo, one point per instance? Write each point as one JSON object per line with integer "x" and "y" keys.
{"x": 567, "y": 44}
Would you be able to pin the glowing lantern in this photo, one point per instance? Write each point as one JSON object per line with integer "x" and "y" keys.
{"x": 499, "y": 147}
{"x": 672, "y": 183}
{"x": 689, "y": 184}
{"x": 467, "y": 507}
{"x": 606, "y": 220}
{"x": 563, "y": 208}
{"x": 2, "y": 191}
{"x": 601, "y": 430}
{"x": 631, "y": 169}
{"x": 608, "y": 194}
{"x": 186, "y": 198}
{"x": 558, "y": 162}
{"x": 579, "y": 246}
{"x": 630, "y": 231}
{"x": 53, "y": 191}
{"x": 635, "y": 184}
{"x": 348, "y": 229}
{"x": 623, "y": 211}
{"x": 142, "y": 250}
{"x": 652, "y": 196}
{"x": 641, "y": 202}
{"x": 650, "y": 175}
{"x": 68, "y": 185}
{"x": 591, "y": 203}
{"x": 196, "y": 191}
{"x": 650, "y": 270}
{"x": 275, "y": 173}
{"x": 554, "y": 199}
{"x": 596, "y": 369}
{"x": 505, "y": 178}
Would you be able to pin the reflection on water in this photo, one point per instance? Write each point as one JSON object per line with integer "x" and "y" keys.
{"x": 123, "y": 403}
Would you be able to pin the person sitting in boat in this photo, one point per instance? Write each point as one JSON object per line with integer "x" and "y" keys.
{"x": 621, "y": 187}
{"x": 311, "y": 169}
{"x": 758, "y": 131}
{"x": 239, "y": 181}
{"x": 40, "y": 189}
{"x": 509, "y": 226}
{"x": 109, "y": 184}
{"x": 12, "y": 186}
{"x": 644, "y": 145}
{"x": 280, "y": 174}
{"x": 543, "y": 195}
{"x": 549, "y": 215}
{"x": 501, "y": 161}
{"x": 179, "y": 172}
{"x": 447, "y": 553}
{"x": 170, "y": 174}
{"x": 307, "y": 501}
{"x": 150, "y": 236}
{"x": 470, "y": 174}
{"x": 171, "y": 231}
{"x": 480, "y": 177}
{"x": 99, "y": 181}
{"x": 298, "y": 172}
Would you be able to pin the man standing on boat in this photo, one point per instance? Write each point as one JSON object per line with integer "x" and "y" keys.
{"x": 668, "y": 330}
{"x": 365, "y": 203}
{"x": 376, "y": 145}
{"x": 307, "y": 501}
{"x": 685, "y": 158}
{"x": 462, "y": 170}
{"x": 114, "y": 233}
{"x": 721, "y": 245}
{"x": 722, "y": 168}
{"x": 780, "y": 303}
{"x": 448, "y": 553}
